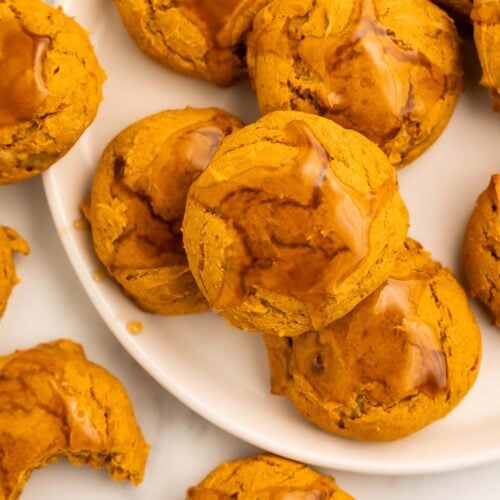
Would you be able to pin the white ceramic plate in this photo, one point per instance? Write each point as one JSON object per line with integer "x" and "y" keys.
{"x": 222, "y": 373}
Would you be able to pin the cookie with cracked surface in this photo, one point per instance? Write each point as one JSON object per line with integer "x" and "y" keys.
{"x": 486, "y": 18}
{"x": 481, "y": 250}
{"x": 402, "y": 359}
{"x": 198, "y": 38}
{"x": 266, "y": 477}
{"x": 389, "y": 69}
{"x": 137, "y": 204}
{"x": 54, "y": 403}
{"x": 50, "y": 87}
{"x": 10, "y": 243}
{"x": 294, "y": 222}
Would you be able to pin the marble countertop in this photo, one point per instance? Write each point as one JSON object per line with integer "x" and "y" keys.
{"x": 50, "y": 303}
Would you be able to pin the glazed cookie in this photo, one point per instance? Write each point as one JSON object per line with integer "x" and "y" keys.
{"x": 10, "y": 243}
{"x": 400, "y": 360}
{"x": 295, "y": 221}
{"x": 486, "y": 17}
{"x": 198, "y": 38}
{"x": 481, "y": 251}
{"x": 53, "y": 403}
{"x": 137, "y": 204}
{"x": 389, "y": 69}
{"x": 50, "y": 87}
{"x": 266, "y": 477}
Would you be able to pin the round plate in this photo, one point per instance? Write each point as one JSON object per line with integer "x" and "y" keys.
{"x": 222, "y": 373}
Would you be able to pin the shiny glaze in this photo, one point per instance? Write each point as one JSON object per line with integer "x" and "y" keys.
{"x": 379, "y": 108}
{"x": 382, "y": 350}
{"x": 22, "y": 87}
{"x": 274, "y": 212}
{"x": 156, "y": 196}
{"x": 428, "y": 370}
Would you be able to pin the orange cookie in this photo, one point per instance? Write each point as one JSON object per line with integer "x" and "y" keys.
{"x": 53, "y": 403}
{"x": 402, "y": 359}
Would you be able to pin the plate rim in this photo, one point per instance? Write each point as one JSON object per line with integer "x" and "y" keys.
{"x": 71, "y": 247}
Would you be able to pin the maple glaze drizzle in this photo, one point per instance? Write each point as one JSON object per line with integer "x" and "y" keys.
{"x": 273, "y": 212}
{"x": 394, "y": 68}
{"x": 22, "y": 88}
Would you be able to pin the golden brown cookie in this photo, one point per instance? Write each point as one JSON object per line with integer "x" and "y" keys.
{"x": 402, "y": 359}
{"x": 10, "y": 243}
{"x": 481, "y": 251}
{"x": 486, "y": 17}
{"x": 389, "y": 69}
{"x": 50, "y": 87}
{"x": 137, "y": 204}
{"x": 266, "y": 477}
{"x": 53, "y": 403}
{"x": 295, "y": 221}
{"x": 198, "y": 38}
{"x": 460, "y": 7}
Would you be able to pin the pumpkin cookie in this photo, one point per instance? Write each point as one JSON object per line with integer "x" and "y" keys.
{"x": 400, "y": 360}
{"x": 486, "y": 17}
{"x": 50, "y": 87}
{"x": 389, "y": 69}
{"x": 53, "y": 403}
{"x": 10, "y": 242}
{"x": 198, "y": 38}
{"x": 137, "y": 204}
{"x": 295, "y": 221}
{"x": 481, "y": 251}
{"x": 266, "y": 477}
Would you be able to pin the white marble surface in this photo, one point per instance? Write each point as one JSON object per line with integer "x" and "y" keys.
{"x": 49, "y": 303}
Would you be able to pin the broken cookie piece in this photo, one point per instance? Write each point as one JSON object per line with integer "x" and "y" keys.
{"x": 53, "y": 403}
{"x": 266, "y": 477}
{"x": 481, "y": 250}
{"x": 10, "y": 243}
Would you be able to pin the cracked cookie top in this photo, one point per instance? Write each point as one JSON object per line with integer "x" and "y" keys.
{"x": 283, "y": 228}
{"x": 266, "y": 477}
{"x": 53, "y": 403}
{"x": 50, "y": 87}
{"x": 199, "y": 38}
{"x": 388, "y": 69}
{"x": 481, "y": 251}
{"x": 10, "y": 243}
{"x": 403, "y": 358}
{"x": 137, "y": 204}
